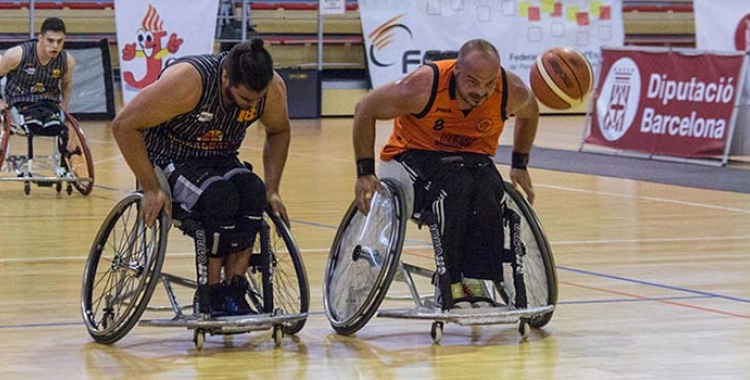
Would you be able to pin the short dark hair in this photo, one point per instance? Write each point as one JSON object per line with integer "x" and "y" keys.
{"x": 53, "y": 24}
{"x": 249, "y": 63}
{"x": 480, "y": 45}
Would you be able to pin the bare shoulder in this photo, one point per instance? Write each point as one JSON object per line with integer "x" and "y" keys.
{"x": 180, "y": 79}
{"x": 275, "y": 117}
{"x": 413, "y": 91}
{"x": 277, "y": 87}
{"x": 417, "y": 83}
{"x": 519, "y": 94}
{"x": 71, "y": 59}
{"x": 176, "y": 91}
{"x": 11, "y": 59}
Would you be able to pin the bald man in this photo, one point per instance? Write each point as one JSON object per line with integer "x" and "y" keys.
{"x": 448, "y": 117}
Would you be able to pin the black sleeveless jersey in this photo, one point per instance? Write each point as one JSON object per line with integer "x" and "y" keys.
{"x": 31, "y": 82}
{"x": 210, "y": 129}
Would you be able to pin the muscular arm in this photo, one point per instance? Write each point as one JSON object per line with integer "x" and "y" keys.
{"x": 66, "y": 84}
{"x": 177, "y": 91}
{"x": 275, "y": 119}
{"x": 409, "y": 95}
{"x": 8, "y": 63}
{"x": 523, "y": 105}
{"x": 11, "y": 60}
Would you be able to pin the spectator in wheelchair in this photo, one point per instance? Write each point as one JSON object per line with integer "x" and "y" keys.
{"x": 39, "y": 81}
{"x": 448, "y": 117}
{"x": 191, "y": 123}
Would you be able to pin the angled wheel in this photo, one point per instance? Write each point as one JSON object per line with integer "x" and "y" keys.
{"x": 4, "y": 136}
{"x": 122, "y": 271}
{"x": 363, "y": 260}
{"x": 291, "y": 289}
{"x": 536, "y": 262}
{"x": 77, "y": 157}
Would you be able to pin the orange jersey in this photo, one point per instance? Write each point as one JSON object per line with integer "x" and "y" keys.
{"x": 442, "y": 126}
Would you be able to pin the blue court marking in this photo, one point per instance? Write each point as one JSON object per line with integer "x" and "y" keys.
{"x": 652, "y": 299}
{"x": 653, "y": 284}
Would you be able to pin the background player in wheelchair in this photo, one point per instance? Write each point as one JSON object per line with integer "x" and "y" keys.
{"x": 448, "y": 117}
{"x": 39, "y": 81}
{"x": 191, "y": 123}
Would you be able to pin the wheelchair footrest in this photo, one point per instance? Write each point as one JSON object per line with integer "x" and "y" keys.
{"x": 226, "y": 325}
{"x": 468, "y": 317}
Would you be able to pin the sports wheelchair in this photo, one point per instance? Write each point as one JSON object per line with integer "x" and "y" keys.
{"x": 124, "y": 267}
{"x": 69, "y": 163}
{"x": 366, "y": 257}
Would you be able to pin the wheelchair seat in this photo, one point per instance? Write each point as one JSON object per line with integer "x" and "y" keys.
{"x": 38, "y": 119}
{"x": 70, "y": 161}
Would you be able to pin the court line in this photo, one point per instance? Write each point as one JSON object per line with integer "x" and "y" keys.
{"x": 619, "y": 300}
{"x": 656, "y": 199}
{"x": 668, "y": 302}
{"x": 649, "y": 283}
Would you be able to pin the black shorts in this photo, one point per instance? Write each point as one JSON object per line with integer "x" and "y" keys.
{"x": 189, "y": 179}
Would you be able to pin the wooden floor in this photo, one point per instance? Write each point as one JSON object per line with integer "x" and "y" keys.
{"x": 654, "y": 283}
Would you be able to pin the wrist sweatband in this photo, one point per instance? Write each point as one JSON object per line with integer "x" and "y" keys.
{"x": 519, "y": 160}
{"x": 365, "y": 166}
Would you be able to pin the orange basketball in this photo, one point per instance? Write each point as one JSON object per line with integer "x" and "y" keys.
{"x": 561, "y": 78}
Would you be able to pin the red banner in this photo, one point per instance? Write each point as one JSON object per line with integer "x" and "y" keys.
{"x": 675, "y": 103}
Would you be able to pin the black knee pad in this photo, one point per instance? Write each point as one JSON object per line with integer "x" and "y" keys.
{"x": 252, "y": 193}
{"x": 219, "y": 203}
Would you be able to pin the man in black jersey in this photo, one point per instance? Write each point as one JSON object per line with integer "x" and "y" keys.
{"x": 191, "y": 123}
{"x": 39, "y": 76}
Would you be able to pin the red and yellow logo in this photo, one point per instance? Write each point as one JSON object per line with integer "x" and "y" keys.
{"x": 212, "y": 135}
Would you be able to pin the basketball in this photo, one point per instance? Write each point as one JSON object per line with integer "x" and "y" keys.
{"x": 561, "y": 78}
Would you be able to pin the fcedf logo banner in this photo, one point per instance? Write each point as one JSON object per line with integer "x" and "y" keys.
{"x": 399, "y": 34}
{"x": 666, "y": 102}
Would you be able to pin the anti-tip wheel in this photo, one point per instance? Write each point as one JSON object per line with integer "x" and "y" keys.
{"x": 436, "y": 332}
{"x": 199, "y": 337}
{"x": 524, "y": 329}
{"x": 278, "y": 334}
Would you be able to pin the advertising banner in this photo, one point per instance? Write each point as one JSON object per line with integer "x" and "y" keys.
{"x": 727, "y": 27}
{"x": 152, "y": 33}
{"x": 666, "y": 102}
{"x": 398, "y": 34}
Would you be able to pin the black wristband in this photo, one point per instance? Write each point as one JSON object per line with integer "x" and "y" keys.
{"x": 365, "y": 166}
{"x": 519, "y": 160}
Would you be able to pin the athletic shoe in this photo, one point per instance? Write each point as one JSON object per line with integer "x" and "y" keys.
{"x": 477, "y": 293}
{"x": 459, "y": 297}
{"x": 238, "y": 294}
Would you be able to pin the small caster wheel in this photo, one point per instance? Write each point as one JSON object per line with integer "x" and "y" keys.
{"x": 27, "y": 188}
{"x": 69, "y": 189}
{"x": 436, "y": 332}
{"x": 278, "y": 334}
{"x": 524, "y": 329}
{"x": 199, "y": 337}
{"x": 58, "y": 187}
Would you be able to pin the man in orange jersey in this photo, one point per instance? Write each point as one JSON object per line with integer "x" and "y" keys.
{"x": 448, "y": 117}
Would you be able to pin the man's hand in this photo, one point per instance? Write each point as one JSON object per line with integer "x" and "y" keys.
{"x": 364, "y": 190}
{"x": 3, "y": 105}
{"x": 521, "y": 177}
{"x": 278, "y": 208}
{"x": 152, "y": 203}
